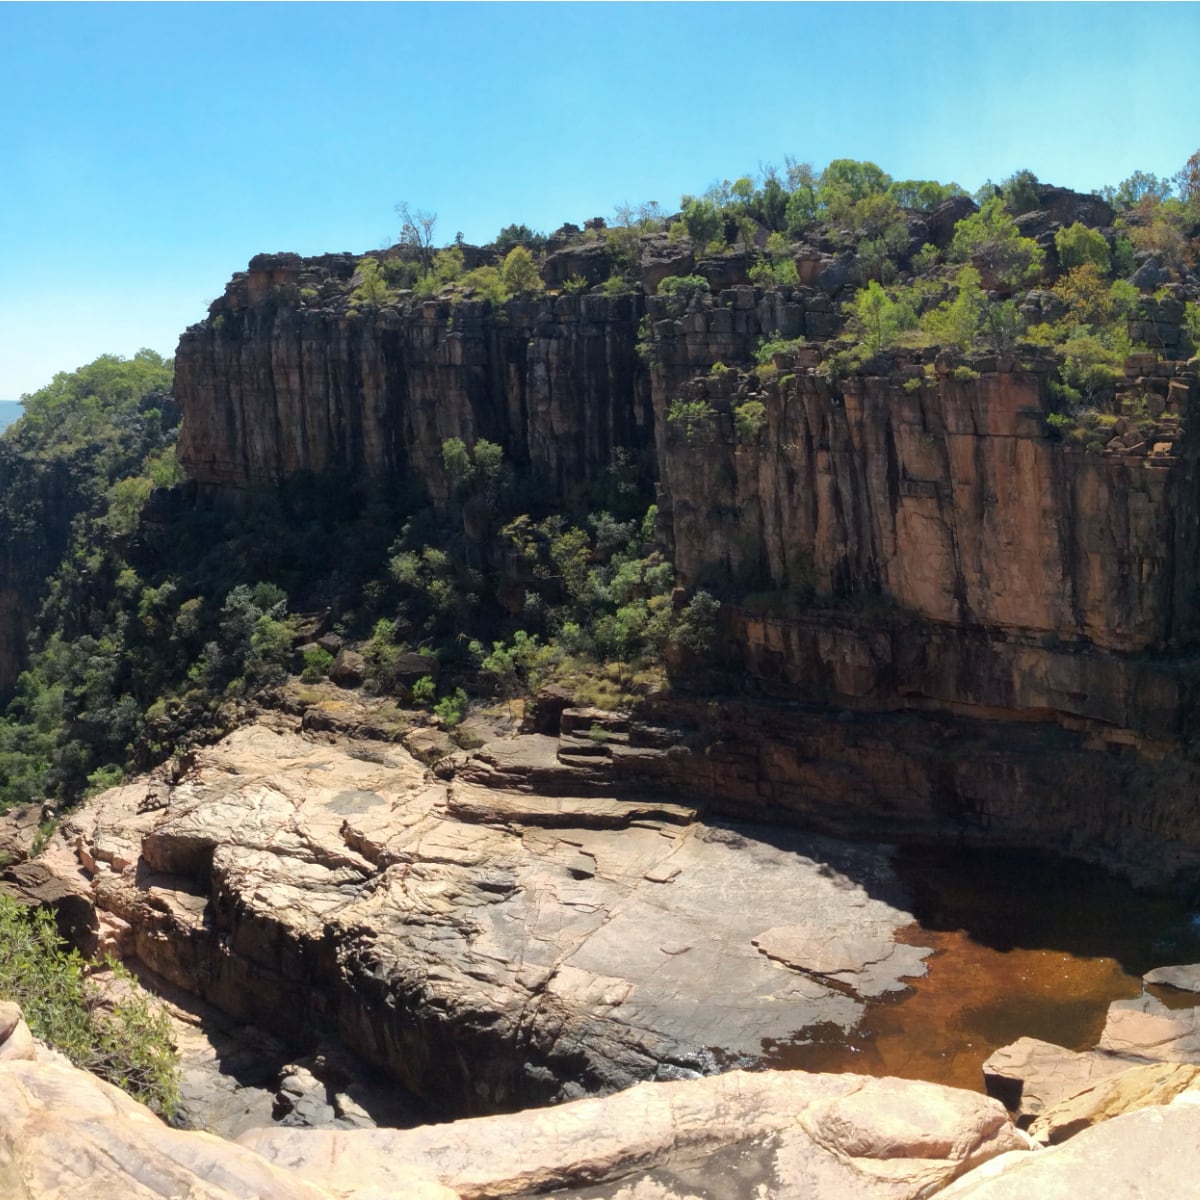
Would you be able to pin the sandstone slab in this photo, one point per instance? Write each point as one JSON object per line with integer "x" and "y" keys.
{"x": 65, "y": 1134}
{"x": 1181, "y": 978}
{"x": 1131, "y": 1089}
{"x": 828, "y": 1137}
{"x": 1151, "y": 1153}
{"x": 487, "y": 947}
{"x": 1032, "y": 1076}
{"x": 1146, "y": 1028}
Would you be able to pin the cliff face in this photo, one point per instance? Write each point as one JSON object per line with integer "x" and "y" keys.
{"x": 274, "y": 387}
{"x": 914, "y": 540}
{"x": 918, "y": 539}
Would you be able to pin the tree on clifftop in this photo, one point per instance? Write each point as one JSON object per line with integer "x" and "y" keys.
{"x": 416, "y": 230}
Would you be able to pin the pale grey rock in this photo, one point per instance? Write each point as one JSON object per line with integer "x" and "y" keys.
{"x": 825, "y": 1137}
{"x": 1030, "y": 1075}
{"x": 1182, "y": 978}
{"x": 1150, "y": 1154}
{"x": 487, "y": 947}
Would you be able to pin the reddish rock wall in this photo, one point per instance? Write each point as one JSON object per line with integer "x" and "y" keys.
{"x": 275, "y": 384}
{"x": 912, "y": 540}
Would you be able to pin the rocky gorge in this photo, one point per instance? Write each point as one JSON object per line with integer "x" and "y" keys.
{"x": 943, "y": 623}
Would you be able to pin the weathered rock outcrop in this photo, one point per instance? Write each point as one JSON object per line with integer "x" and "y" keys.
{"x": 489, "y": 949}
{"x": 830, "y": 1137}
{"x": 1152, "y": 1152}
{"x": 64, "y": 1133}
{"x": 276, "y": 387}
{"x": 1012, "y": 621}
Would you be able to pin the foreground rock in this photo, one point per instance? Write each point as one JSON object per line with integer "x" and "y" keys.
{"x": 826, "y": 1137}
{"x": 64, "y": 1133}
{"x": 1148, "y": 1055}
{"x": 489, "y": 948}
{"x": 1151, "y": 1153}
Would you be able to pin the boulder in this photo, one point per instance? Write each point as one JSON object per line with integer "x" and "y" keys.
{"x": 1145, "y": 1027}
{"x": 1154, "y": 1152}
{"x": 662, "y": 258}
{"x": 1181, "y": 978}
{"x": 1127, "y": 1091}
{"x": 348, "y": 669}
{"x": 1030, "y": 1076}
{"x": 589, "y": 261}
{"x": 941, "y": 220}
{"x": 58, "y": 886}
{"x": 66, "y": 1135}
{"x": 725, "y": 270}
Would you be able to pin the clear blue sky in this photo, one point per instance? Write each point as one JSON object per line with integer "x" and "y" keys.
{"x": 149, "y": 150}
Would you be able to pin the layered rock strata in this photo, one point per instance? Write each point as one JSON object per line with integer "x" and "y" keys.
{"x": 1010, "y": 620}
{"x": 488, "y": 948}
{"x": 277, "y": 387}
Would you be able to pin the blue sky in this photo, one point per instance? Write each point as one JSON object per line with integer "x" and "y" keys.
{"x": 149, "y": 150}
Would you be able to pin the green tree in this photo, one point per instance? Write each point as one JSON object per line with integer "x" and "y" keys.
{"x": 845, "y": 182}
{"x": 519, "y": 272}
{"x": 801, "y": 209}
{"x": 990, "y": 239}
{"x": 1077, "y": 244}
{"x": 957, "y": 323}
{"x": 882, "y": 233}
{"x": 922, "y": 194}
{"x": 1140, "y": 187}
{"x": 126, "y": 1041}
{"x": 769, "y": 205}
{"x": 703, "y": 219}
{"x": 449, "y": 264}
{"x": 1021, "y": 192}
{"x": 514, "y": 235}
{"x": 371, "y": 287}
{"x": 776, "y": 268}
{"x": 695, "y": 419}
{"x": 880, "y": 318}
{"x": 488, "y": 284}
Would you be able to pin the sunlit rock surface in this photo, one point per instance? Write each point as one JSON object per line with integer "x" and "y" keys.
{"x": 489, "y": 948}
{"x": 829, "y": 1137}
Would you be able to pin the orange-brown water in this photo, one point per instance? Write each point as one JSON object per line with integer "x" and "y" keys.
{"x": 1023, "y": 946}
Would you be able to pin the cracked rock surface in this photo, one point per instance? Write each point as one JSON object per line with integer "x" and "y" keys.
{"x": 490, "y": 948}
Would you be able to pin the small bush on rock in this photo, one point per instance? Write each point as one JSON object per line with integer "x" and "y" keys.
{"x": 125, "y": 1040}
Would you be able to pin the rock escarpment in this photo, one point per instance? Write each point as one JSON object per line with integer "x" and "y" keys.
{"x": 1010, "y": 620}
{"x": 277, "y": 386}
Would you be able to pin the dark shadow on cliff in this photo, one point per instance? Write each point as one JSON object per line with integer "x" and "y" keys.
{"x": 1003, "y": 899}
{"x": 1025, "y": 899}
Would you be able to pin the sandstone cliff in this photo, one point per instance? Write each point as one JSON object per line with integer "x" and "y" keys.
{"x": 278, "y": 385}
{"x": 904, "y": 539}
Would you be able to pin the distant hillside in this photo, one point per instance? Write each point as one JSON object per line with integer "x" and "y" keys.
{"x": 10, "y": 410}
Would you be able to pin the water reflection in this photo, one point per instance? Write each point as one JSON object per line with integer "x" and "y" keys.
{"x": 1024, "y": 945}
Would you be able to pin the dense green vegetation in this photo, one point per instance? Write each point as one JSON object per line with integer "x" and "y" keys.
{"x": 151, "y": 638}
{"x": 114, "y": 1031}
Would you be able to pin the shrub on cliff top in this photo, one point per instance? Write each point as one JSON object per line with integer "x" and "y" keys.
{"x": 991, "y": 239}
{"x": 519, "y": 272}
{"x": 372, "y": 288}
{"x": 684, "y": 286}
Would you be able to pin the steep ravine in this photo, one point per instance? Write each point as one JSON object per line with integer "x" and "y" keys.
{"x": 941, "y": 621}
